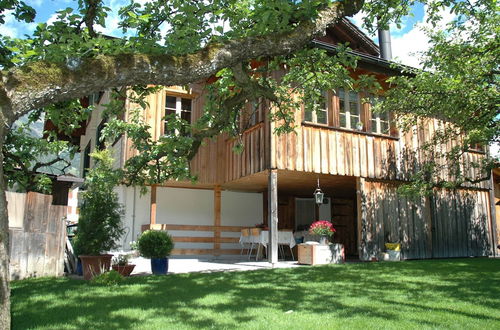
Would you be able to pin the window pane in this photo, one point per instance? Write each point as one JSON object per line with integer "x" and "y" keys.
{"x": 308, "y": 115}
{"x": 186, "y": 104}
{"x": 383, "y": 116}
{"x": 186, "y": 115}
{"x": 322, "y": 117}
{"x": 170, "y": 102}
{"x": 353, "y": 103}
{"x": 354, "y": 121}
{"x": 384, "y": 127}
{"x": 374, "y": 125}
{"x": 342, "y": 120}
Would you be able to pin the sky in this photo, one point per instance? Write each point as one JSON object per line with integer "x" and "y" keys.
{"x": 406, "y": 41}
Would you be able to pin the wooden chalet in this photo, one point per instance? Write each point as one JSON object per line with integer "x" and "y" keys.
{"x": 359, "y": 157}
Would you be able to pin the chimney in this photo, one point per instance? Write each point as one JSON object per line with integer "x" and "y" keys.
{"x": 384, "y": 41}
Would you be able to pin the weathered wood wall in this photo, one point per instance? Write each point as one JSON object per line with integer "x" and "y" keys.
{"x": 217, "y": 240}
{"x": 335, "y": 151}
{"x": 446, "y": 224}
{"x": 37, "y": 235}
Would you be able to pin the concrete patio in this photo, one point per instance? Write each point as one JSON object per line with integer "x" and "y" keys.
{"x": 188, "y": 265}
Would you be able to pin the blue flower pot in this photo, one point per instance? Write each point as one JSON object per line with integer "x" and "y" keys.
{"x": 79, "y": 268}
{"x": 159, "y": 266}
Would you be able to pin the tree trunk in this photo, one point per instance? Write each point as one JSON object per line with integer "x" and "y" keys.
{"x": 4, "y": 242}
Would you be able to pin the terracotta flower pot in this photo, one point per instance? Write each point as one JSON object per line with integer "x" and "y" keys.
{"x": 95, "y": 265}
{"x": 124, "y": 270}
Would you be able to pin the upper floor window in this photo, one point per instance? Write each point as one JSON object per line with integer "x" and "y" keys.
{"x": 349, "y": 110}
{"x": 317, "y": 112}
{"x": 379, "y": 120}
{"x": 179, "y": 106}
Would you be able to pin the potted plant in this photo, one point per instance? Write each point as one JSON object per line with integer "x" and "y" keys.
{"x": 156, "y": 245}
{"x": 323, "y": 228}
{"x": 99, "y": 225}
{"x": 121, "y": 265}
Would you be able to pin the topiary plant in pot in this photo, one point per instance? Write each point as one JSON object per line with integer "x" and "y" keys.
{"x": 99, "y": 225}
{"x": 157, "y": 246}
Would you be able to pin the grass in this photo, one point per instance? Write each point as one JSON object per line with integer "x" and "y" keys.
{"x": 455, "y": 293}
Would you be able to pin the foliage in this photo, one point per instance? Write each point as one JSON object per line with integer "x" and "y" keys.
{"x": 30, "y": 155}
{"x": 99, "y": 225}
{"x": 155, "y": 244}
{"x": 459, "y": 81}
{"x": 322, "y": 227}
{"x": 109, "y": 278}
{"x": 459, "y": 84}
{"x": 453, "y": 293}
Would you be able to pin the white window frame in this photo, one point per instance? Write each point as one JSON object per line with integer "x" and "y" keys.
{"x": 314, "y": 114}
{"x": 347, "y": 108}
{"x": 178, "y": 109}
{"x": 378, "y": 121}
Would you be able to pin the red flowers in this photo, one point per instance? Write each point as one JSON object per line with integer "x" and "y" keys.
{"x": 322, "y": 227}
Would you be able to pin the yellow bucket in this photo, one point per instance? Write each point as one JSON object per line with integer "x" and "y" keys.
{"x": 393, "y": 246}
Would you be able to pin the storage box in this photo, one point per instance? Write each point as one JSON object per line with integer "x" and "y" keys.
{"x": 316, "y": 254}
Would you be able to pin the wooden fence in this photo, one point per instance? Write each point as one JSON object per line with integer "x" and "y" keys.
{"x": 446, "y": 224}
{"x": 37, "y": 235}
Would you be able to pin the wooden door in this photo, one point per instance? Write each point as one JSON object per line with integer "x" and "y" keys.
{"x": 344, "y": 221}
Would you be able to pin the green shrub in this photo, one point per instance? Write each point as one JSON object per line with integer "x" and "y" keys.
{"x": 155, "y": 244}
{"x": 99, "y": 225}
{"x": 110, "y": 278}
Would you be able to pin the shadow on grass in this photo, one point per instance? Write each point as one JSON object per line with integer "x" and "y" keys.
{"x": 378, "y": 291}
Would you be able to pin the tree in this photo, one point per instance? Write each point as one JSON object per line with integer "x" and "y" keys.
{"x": 175, "y": 43}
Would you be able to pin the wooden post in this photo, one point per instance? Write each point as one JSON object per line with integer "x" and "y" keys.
{"x": 359, "y": 215}
{"x": 273, "y": 216}
{"x": 152, "y": 209}
{"x": 493, "y": 219}
{"x": 217, "y": 208}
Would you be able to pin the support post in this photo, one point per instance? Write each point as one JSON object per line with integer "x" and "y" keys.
{"x": 493, "y": 219}
{"x": 273, "y": 216}
{"x": 152, "y": 208}
{"x": 217, "y": 219}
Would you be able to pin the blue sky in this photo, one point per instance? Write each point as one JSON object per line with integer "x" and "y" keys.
{"x": 406, "y": 41}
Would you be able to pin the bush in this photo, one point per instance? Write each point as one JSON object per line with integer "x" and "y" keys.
{"x": 155, "y": 244}
{"x": 99, "y": 225}
{"x": 108, "y": 278}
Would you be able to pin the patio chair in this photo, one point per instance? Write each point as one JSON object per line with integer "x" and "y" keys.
{"x": 255, "y": 234}
{"x": 245, "y": 241}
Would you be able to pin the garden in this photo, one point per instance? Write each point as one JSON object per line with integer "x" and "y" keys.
{"x": 452, "y": 293}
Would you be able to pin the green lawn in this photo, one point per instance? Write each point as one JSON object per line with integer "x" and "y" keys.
{"x": 457, "y": 293}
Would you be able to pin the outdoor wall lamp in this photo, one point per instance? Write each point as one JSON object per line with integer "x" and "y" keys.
{"x": 318, "y": 195}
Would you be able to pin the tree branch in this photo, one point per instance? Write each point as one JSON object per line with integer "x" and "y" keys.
{"x": 42, "y": 83}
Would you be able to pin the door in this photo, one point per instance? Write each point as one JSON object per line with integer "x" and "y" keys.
{"x": 344, "y": 222}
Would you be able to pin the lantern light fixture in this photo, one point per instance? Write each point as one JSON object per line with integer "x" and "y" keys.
{"x": 318, "y": 195}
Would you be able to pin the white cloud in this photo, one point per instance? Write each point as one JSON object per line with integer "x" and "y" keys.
{"x": 407, "y": 48}
{"x": 11, "y": 27}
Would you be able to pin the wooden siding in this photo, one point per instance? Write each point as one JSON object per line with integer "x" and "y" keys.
{"x": 216, "y": 239}
{"x": 37, "y": 241}
{"x": 446, "y": 224}
{"x": 335, "y": 151}
{"x": 312, "y": 148}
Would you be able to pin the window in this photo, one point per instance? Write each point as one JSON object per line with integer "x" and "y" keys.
{"x": 99, "y": 142}
{"x": 349, "y": 109}
{"x": 179, "y": 106}
{"x": 380, "y": 120}
{"x": 86, "y": 159}
{"x": 317, "y": 112}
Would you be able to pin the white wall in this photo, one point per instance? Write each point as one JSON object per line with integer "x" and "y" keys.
{"x": 240, "y": 209}
{"x": 136, "y": 214}
{"x": 180, "y": 206}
